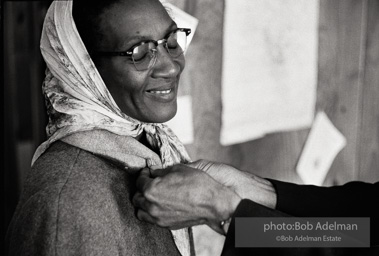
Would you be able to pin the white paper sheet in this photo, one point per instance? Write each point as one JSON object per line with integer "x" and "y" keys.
{"x": 322, "y": 146}
{"x": 182, "y": 124}
{"x": 269, "y": 67}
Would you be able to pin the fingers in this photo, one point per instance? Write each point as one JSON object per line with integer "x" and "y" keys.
{"x": 139, "y": 201}
{"x": 159, "y": 172}
{"x": 146, "y": 210}
{"x": 143, "y": 179}
{"x": 144, "y": 216}
{"x": 152, "y": 165}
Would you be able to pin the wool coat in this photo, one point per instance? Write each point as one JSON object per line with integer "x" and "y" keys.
{"x": 76, "y": 203}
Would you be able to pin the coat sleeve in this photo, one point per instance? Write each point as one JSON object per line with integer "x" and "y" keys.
{"x": 354, "y": 199}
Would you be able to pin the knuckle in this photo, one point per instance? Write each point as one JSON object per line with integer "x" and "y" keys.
{"x": 153, "y": 210}
{"x": 150, "y": 191}
{"x": 161, "y": 223}
{"x": 139, "y": 215}
{"x": 147, "y": 195}
{"x": 155, "y": 182}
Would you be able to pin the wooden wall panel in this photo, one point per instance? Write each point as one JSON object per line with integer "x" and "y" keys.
{"x": 10, "y": 183}
{"x": 342, "y": 87}
{"x": 24, "y": 76}
{"x": 368, "y": 148}
{"x": 274, "y": 156}
{"x": 340, "y": 77}
{"x": 347, "y": 91}
{"x": 25, "y": 117}
{"x": 37, "y": 74}
{"x": 203, "y": 76}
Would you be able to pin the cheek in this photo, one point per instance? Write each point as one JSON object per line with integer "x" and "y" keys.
{"x": 125, "y": 85}
{"x": 119, "y": 77}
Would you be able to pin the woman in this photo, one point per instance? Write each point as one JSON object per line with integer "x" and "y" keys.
{"x": 110, "y": 82}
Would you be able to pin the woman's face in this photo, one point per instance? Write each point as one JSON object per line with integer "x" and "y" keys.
{"x": 150, "y": 95}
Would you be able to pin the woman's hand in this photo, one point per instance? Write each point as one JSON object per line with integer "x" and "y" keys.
{"x": 182, "y": 196}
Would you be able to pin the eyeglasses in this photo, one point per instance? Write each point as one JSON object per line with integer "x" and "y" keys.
{"x": 144, "y": 54}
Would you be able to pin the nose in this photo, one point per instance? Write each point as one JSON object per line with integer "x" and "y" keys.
{"x": 167, "y": 66}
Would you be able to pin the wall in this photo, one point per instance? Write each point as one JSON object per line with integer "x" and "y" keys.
{"x": 347, "y": 90}
{"x": 24, "y": 113}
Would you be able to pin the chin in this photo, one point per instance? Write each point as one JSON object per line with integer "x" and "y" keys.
{"x": 162, "y": 116}
{"x": 165, "y": 118}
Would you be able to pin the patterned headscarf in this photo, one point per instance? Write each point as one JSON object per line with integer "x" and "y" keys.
{"x": 77, "y": 99}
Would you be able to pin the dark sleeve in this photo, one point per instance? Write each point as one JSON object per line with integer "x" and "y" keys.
{"x": 354, "y": 199}
{"x": 248, "y": 208}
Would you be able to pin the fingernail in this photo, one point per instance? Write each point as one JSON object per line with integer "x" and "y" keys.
{"x": 150, "y": 163}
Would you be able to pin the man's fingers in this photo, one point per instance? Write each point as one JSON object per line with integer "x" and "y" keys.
{"x": 152, "y": 165}
{"x": 143, "y": 179}
{"x": 139, "y": 201}
{"x": 159, "y": 172}
{"x": 144, "y": 216}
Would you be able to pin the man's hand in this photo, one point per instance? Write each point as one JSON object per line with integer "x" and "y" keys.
{"x": 181, "y": 196}
{"x": 245, "y": 184}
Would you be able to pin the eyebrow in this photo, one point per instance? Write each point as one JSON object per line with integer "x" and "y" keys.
{"x": 134, "y": 40}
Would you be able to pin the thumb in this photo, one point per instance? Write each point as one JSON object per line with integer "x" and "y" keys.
{"x": 152, "y": 165}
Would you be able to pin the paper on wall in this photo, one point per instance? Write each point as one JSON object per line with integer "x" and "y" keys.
{"x": 322, "y": 146}
{"x": 269, "y": 67}
{"x": 182, "y": 124}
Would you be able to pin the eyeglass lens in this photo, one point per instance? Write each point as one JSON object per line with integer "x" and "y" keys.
{"x": 144, "y": 56}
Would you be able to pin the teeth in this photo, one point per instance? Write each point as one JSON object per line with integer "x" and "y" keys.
{"x": 161, "y": 92}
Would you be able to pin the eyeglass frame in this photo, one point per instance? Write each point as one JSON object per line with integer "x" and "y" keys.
{"x": 129, "y": 53}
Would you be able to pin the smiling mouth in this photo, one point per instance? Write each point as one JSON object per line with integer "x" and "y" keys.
{"x": 160, "y": 91}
